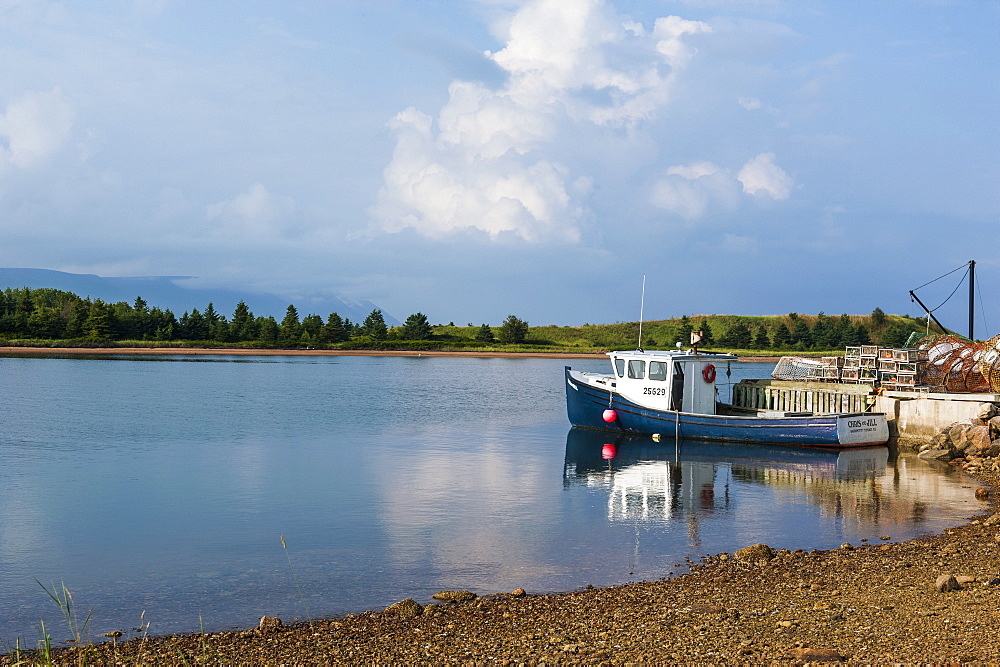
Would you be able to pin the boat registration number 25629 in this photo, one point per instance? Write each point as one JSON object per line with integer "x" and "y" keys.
{"x": 654, "y": 391}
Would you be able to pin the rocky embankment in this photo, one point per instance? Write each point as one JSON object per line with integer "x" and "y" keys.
{"x": 968, "y": 443}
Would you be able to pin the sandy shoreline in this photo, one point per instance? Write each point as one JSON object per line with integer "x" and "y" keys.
{"x": 42, "y": 351}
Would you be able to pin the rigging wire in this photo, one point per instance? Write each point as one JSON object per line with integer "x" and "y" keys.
{"x": 952, "y": 292}
{"x": 982, "y": 307}
{"x": 940, "y": 277}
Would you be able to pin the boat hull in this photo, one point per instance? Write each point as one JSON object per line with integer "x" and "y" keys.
{"x": 586, "y": 404}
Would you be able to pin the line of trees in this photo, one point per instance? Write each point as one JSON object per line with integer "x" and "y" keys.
{"x": 50, "y": 314}
{"x": 826, "y": 332}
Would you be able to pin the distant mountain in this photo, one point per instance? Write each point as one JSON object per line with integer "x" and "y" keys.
{"x": 163, "y": 292}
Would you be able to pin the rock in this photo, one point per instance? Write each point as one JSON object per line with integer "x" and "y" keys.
{"x": 946, "y": 583}
{"x": 982, "y": 493}
{"x": 963, "y": 579}
{"x": 454, "y": 596}
{"x": 957, "y": 434}
{"x": 979, "y": 439}
{"x": 935, "y": 455}
{"x": 518, "y": 593}
{"x": 815, "y": 655}
{"x": 269, "y": 625}
{"x": 757, "y": 553}
{"x": 994, "y": 425}
{"x": 987, "y": 411}
{"x": 705, "y": 609}
{"x": 408, "y": 608}
{"x": 992, "y": 520}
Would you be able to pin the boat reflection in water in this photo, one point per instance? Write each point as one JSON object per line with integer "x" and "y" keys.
{"x": 854, "y": 492}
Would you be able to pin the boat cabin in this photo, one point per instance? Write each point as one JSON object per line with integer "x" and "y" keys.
{"x": 668, "y": 380}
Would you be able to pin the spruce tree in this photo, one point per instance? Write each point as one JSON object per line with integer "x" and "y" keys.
{"x": 314, "y": 325}
{"x": 782, "y": 337}
{"x": 290, "y": 331}
{"x": 485, "y": 334}
{"x": 738, "y": 336}
{"x": 684, "y": 329}
{"x": 760, "y": 339}
{"x": 801, "y": 336}
{"x": 98, "y": 323}
{"x": 824, "y": 335}
{"x": 333, "y": 330}
{"x": 416, "y": 327}
{"x": 706, "y": 332}
{"x": 513, "y": 330}
{"x": 241, "y": 326}
{"x": 374, "y": 326}
{"x": 268, "y": 329}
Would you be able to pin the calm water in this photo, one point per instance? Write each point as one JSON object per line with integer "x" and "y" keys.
{"x": 165, "y": 484}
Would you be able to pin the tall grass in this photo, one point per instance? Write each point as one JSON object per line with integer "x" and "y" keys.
{"x": 295, "y": 578}
{"x": 64, "y": 599}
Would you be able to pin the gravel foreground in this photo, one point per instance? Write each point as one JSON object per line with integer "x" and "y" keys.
{"x": 859, "y": 604}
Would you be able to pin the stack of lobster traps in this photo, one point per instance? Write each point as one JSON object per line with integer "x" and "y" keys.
{"x": 901, "y": 368}
{"x": 829, "y": 369}
{"x": 892, "y": 368}
{"x": 947, "y": 364}
{"x": 860, "y": 364}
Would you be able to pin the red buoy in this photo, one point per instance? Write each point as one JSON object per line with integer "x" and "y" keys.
{"x": 608, "y": 452}
{"x": 610, "y": 415}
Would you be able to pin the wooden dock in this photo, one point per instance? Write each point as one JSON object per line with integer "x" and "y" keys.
{"x": 816, "y": 397}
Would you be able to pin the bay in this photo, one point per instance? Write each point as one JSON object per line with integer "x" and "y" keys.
{"x": 194, "y": 492}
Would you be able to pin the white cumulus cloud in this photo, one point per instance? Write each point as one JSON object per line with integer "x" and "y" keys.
{"x": 697, "y": 190}
{"x": 505, "y": 159}
{"x": 762, "y": 176}
{"x": 691, "y": 191}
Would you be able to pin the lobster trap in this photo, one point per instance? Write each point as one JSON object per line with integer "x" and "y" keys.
{"x": 961, "y": 366}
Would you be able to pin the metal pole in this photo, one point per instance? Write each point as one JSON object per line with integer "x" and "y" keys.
{"x": 972, "y": 298}
{"x": 929, "y": 313}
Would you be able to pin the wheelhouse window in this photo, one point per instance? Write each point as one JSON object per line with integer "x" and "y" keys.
{"x": 658, "y": 370}
{"x": 636, "y": 368}
{"x": 620, "y": 367}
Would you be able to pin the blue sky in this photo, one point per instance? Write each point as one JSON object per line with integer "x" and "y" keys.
{"x": 474, "y": 159}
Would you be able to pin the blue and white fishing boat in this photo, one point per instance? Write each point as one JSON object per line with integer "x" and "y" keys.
{"x": 672, "y": 394}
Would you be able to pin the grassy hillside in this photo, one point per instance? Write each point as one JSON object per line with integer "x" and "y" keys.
{"x": 833, "y": 334}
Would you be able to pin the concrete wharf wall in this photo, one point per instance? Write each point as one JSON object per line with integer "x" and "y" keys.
{"x": 921, "y": 416}
{"x": 917, "y": 415}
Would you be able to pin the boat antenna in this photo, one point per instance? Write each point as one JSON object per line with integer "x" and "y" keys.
{"x": 642, "y": 304}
